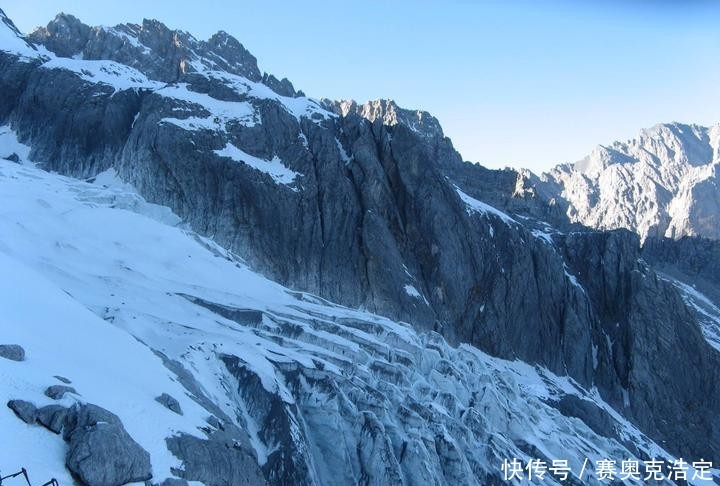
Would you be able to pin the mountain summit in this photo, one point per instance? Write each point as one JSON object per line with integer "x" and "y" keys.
{"x": 664, "y": 183}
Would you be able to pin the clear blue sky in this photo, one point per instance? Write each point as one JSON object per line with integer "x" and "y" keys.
{"x": 527, "y": 83}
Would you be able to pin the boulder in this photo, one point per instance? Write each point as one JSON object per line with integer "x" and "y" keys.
{"x": 170, "y": 403}
{"x": 13, "y": 157}
{"x": 13, "y": 352}
{"x": 25, "y": 411}
{"x": 87, "y": 415}
{"x": 100, "y": 451}
{"x": 57, "y": 392}
{"x": 52, "y": 417}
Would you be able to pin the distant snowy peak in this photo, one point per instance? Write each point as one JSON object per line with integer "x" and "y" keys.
{"x": 671, "y": 145}
{"x": 662, "y": 183}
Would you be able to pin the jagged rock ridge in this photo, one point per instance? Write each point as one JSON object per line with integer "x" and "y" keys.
{"x": 662, "y": 184}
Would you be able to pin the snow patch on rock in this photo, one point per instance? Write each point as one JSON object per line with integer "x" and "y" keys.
{"x": 274, "y": 167}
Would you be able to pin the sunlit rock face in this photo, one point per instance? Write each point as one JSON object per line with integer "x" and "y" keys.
{"x": 661, "y": 184}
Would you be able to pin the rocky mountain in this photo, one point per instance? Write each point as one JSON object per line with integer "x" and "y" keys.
{"x": 261, "y": 252}
{"x": 664, "y": 183}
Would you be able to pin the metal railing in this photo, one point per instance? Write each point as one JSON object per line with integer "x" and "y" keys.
{"x": 23, "y": 472}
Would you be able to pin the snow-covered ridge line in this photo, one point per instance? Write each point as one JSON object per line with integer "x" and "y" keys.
{"x": 111, "y": 73}
{"x": 296, "y": 106}
{"x": 123, "y": 77}
{"x": 12, "y": 41}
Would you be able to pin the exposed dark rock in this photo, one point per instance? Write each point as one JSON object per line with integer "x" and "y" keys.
{"x": 57, "y": 392}
{"x": 217, "y": 461}
{"x": 13, "y": 352}
{"x": 656, "y": 344}
{"x": 695, "y": 261}
{"x": 13, "y": 157}
{"x": 87, "y": 415}
{"x": 174, "y": 482}
{"x": 100, "y": 451}
{"x": 52, "y": 417}
{"x": 26, "y": 411}
{"x": 62, "y": 379}
{"x": 105, "y": 455}
{"x": 170, "y": 403}
{"x": 596, "y": 418}
{"x": 282, "y": 87}
{"x": 65, "y": 35}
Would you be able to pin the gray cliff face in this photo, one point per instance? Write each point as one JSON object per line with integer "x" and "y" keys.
{"x": 369, "y": 206}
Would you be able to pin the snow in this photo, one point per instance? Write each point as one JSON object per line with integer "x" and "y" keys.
{"x": 130, "y": 39}
{"x": 12, "y": 42}
{"x": 343, "y": 154}
{"x": 123, "y": 196}
{"x": 415, "y": 293}
{"x": 74, "y": 233}
{"x": 475, "y": 206}
{"x": 708, "y": 312}
{"x": 220, "y": 112}
{"x": 412, "y": 291}
{"x": 111, "y": 73}
{"x": 274, "y": 167}
{"x": 9, "y": 145}
{"x": 542, "y": 235}
{"x": 572, "y": 278}
{"x": 61, "y": 337}
{"x": 298, "y": 107}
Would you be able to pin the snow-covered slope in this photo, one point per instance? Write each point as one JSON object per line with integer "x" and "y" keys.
{"x": 112, "y": 294}
{"x": 663, "y": 183}
{"x": 12, "y": 42}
